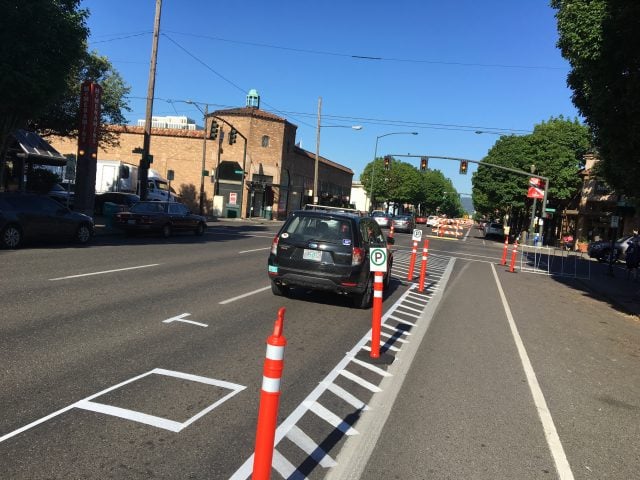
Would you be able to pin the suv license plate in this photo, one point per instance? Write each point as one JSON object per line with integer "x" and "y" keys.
{"x": 313, "y": 255}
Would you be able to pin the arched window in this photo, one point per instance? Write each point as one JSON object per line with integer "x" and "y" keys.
{"x": 265, "y": 140}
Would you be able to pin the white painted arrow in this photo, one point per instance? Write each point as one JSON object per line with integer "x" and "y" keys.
{"x": 180, "y": 318}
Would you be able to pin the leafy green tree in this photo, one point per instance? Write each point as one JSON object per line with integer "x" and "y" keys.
{"x": 555, "y": 149}
{"x": 599, "y": 38}
{"x": 61, "y": 118}
{"x": 40, "y": 39}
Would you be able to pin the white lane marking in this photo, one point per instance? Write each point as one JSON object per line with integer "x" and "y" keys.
{"x": 310, "y": 447}
{"x": 346, "y": 396}
{"x": 283, "y": 466}
{"x": 180, "y": 318}
{"x": 550, "y": 432}
{"x": 229, "y": 300}
{"x": 331, "y": 418}
{"x": 360, "y": 381}
{"x": 104, "y": 271}
{"x": 466, "y": 235}
{"x": 255, "y": 250}
{"x": 132, "y": 415}
{"x": 87, "y": 404}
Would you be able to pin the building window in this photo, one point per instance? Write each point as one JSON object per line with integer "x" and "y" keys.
{"x": 265, "y": 140}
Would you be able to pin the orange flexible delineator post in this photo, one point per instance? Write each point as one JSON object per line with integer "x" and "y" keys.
{"x": 376, "y": 314}
{"x": 269, "y": 400}
{"x": 504, "y": 251}
{"x": 391, "y": 230}
{"x": 423, "y": 266}
{"x": 412, "y": 263}
{"x": 514, "y": 254}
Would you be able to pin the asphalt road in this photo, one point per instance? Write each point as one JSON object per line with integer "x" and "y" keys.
{"x": 104, "y": 377}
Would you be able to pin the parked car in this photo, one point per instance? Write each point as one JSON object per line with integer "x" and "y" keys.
{"x": 403, "y": 223}
{"x": 62, "y": 195}
{"x": 421, "y": 219}
{"x": 124, "y": 200}
{"x": 382, "y": 218}
{"x": 163, "y": 217}
{"x": 27, "y": 217}
{"x": 601, "y": 249}
{"x": 493, "y": 229}
{"x": 327, "y": 251}
{"x": 432, "y": 221}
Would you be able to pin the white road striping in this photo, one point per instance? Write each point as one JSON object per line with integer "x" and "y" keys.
{"x": 550, "y": 432}
{"x": 87, "y": 404}
{"x": 248, "y": 294}
{"x": 104, "y": 271}
{"x": 180, "y": 318}
{"x": 255, "y": 250}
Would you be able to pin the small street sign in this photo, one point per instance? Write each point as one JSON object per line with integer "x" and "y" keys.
{"x": 550, "y": 210}
{"x": 378, "y": 259}
{"x": 615, "y": 221}
{"x": 417, "y": 235}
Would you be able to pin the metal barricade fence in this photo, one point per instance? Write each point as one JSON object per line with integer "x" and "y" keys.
{"x": 554, "y": 261}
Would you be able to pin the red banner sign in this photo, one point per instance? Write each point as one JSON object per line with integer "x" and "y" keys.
{"x": 90, "y": 96}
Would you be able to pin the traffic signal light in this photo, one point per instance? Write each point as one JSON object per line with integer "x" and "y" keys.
{"x": 232, "y": 136}
{"x": 463, "y": 167}
{"x": 387, "y": 162}
{"x": 213, "y": 133}
{"x": 423, "y": 163}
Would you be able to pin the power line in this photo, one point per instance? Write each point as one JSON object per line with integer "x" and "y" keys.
{"x": 369, "y": 57}
{"x": 373, "y": 121}
{"x": 208, "y": 67}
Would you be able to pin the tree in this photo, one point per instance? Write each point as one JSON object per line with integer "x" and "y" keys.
{"x": 599, "y": 38}
{"x": 555, "y": 149}
{"x": 61, "y": 118}
{"x": 40, "y": 39}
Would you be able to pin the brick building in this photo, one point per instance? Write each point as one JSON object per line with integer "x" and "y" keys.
{"x": 278, "y": 175}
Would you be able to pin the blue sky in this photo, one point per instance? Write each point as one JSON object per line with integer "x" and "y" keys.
{"x": 443, "y": 69}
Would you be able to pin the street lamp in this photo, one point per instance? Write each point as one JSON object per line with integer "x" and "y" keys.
{"x": 315, "y": 168}
{"x": 375, "y": 155}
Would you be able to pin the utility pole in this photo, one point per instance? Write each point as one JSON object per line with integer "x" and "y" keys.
{"x": 145, "y": 160}
{"x": 204, "y": 159}
{"x": 315, "y": 168}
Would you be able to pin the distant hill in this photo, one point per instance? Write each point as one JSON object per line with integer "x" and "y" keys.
{"x": 467, "y": 204}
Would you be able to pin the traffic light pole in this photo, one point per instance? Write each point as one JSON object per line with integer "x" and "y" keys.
{"x": 493, "y": 165}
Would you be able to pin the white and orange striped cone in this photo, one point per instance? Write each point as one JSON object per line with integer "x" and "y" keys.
{"x": 269, "y": 400}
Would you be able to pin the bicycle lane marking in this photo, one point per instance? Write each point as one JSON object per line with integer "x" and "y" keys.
{"x": 551, "y": 434}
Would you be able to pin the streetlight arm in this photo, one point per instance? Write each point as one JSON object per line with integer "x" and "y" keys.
{"x": 375, "y": 155}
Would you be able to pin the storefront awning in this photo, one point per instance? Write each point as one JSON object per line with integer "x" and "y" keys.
{"x": 34, "y": 149}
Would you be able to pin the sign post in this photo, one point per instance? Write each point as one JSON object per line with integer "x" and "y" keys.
{"x": 378, "y": 265}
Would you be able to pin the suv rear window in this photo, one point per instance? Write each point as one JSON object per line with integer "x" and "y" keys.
{"x": 303, "y": 228}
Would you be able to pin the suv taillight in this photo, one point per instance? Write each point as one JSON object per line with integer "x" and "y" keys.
{"x": 357, "y": 256}
{"x": 274, "y": 245}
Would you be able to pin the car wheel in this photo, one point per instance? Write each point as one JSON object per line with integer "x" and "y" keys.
{"x": 83, "y": 234}
{"x": 200, "y": 229}
{"x": 11, "y": 237}
{"x": 363, "y": 300}
{"x": 166, "y": 231}
{"x": 279, "y": 290}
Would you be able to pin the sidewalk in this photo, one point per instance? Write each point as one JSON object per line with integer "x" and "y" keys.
{"x": 620, "y": 289}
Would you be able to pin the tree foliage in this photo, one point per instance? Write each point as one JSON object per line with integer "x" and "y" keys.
{"x": 39, "y": 40}
{"x": 555, "y": 150}
{"x": 599, "y": 38}
{"x": 402, "y": 183}
{"x": 61, "y": 118}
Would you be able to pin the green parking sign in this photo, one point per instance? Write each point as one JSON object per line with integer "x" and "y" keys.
{"x": 378, "y": 259}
